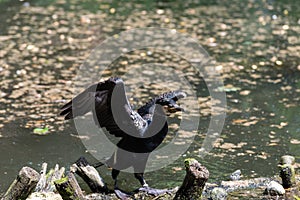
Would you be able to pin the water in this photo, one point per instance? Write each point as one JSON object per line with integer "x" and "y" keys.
{"x": 255, "y": 45}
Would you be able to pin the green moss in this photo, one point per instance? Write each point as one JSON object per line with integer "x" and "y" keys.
{"x": 65, "y": 190}
{"x": 189, "y": 161}
{"x": 296, "y": 197}
{"x": 60, "y": 181}
{"x": 51, "y": 171}
{"x": 69, "y": 192}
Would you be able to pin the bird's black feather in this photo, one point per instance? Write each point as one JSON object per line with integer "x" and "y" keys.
{"x": 141, "y": 132}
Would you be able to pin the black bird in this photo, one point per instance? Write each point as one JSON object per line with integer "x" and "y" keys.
{"x": 141, "y": 132}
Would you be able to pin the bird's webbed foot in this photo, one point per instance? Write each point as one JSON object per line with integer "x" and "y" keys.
{"x": 154, "y": 191}
{"x": 122, "y": 194}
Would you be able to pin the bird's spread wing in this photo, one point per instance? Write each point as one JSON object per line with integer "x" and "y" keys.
{"x": 110, "y": 107}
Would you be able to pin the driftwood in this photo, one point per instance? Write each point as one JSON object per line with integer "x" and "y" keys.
{"x": 287, "y": 171}
{"x": 23, "y": 185}
{"x": 42, "y": 182}
{"x": 192, "y": 186}
{"x": 287, "y": 174}
{"x": 90, "y": 175}
{"x": 46, "y": 182}
{"x": 194, "y": 181}
{"x": 68, "y": 188}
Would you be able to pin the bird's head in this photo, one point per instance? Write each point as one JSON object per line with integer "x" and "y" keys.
{"x": 169, "y": 99}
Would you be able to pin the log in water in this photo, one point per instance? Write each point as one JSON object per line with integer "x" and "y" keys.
{"x": 194, "y": 181}
{"x": 23, "y": 185}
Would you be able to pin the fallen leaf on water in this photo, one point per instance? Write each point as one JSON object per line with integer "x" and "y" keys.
{"x": 40, "y": 131}
{"x": 80, "y": 136}
{"x": 273, "y": 144}
{"x": 175, "y": 169}
{"x": 250, "y": 123}
{"x": 245, "y": 92}
{"x": 244, "y": 122}
{"x": 250, "y": 152}
{"x": 282, "y": 124}
{"x": 263, "y": 155}
{"x": 294, "y": 141}
{"x": 228, "y": 146}
{"x": 17, "y": 93}
{"x": 274, "y": 81}
{"x": 241, "y": 144}
{"x": 228, "y": 88}
{"x": 286, "y": 88}
{"x": 239, "y": 121}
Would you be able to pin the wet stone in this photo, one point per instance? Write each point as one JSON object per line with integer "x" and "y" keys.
{"x": 218, "y": 194}
{"x": 274, "y": 189}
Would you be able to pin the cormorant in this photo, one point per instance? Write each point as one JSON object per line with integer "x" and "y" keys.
{"x": 141, "y": 132}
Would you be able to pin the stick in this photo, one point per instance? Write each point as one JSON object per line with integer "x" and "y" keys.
{"x": 90, "y": 175}
{"x": 23, "y": 185}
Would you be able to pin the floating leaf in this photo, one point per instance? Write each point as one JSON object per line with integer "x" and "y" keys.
{"x": 295, "y": 141}
{"x": 175, "y": 169}
{"x": 247, "y": 43}
{"x": 245, "y": 92}
{"x": 227, "y": 145}
{"x": 40, "y": 131}
{"x": 239, "y": 121}
{"x": 228, "y": 88}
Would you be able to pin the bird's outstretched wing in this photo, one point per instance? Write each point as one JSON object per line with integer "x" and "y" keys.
{"x": 110, "y": 107}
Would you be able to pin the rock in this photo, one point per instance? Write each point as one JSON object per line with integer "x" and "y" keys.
{"x": 44, "y": 196}
{"x": 236, "y": 175}
{"x": 274, "y": 189}
{"x": 218, "y": 194}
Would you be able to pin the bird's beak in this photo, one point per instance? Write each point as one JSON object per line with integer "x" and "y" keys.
{"x": 172, "y": 108}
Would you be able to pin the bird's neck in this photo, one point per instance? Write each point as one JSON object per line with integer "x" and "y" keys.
{"x": 147, "y": 111}
{"x": 148, "y": 108}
